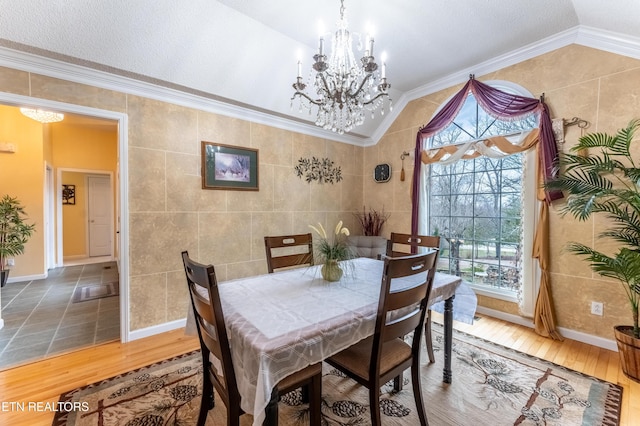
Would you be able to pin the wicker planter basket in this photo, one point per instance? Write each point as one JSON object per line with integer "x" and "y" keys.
{"x": 629, "y": 350}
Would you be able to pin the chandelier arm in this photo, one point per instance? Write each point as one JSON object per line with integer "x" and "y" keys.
{"x": 362, "y": 83}
{"x": 325, "y": 85}
{"x": 304, "y": 95}
{"x": 374, "y": 99}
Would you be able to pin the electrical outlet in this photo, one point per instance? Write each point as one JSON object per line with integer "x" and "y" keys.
{"x": 11, "y": 262}
{"x": 596, "y": 308}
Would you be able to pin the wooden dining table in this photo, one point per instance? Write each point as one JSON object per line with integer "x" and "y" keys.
{"x": 282, "y": 322}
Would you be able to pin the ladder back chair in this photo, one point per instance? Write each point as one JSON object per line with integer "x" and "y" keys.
{"x": 407, "y": 244}
{"x": 385, "y": 355}
{"x": 212, "y": 332}
{"x": 288, "y": 250}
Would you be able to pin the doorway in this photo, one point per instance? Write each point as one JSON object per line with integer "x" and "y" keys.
{"x": 86, "y": 220}
{"x": 118, "y": 253}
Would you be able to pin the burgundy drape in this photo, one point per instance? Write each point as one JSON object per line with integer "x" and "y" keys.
{"x": 498, "y": 104}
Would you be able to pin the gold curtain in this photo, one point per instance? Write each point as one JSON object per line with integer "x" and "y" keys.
{"x": 544, "y": 318}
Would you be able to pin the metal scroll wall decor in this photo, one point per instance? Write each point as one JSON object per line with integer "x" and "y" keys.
{"x": 321, "y": 170}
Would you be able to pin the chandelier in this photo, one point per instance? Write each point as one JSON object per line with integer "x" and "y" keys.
{"x": 343, "y": 88}
{"x": 42, "y": 115}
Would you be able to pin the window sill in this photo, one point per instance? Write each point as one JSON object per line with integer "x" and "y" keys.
{"x": 495, "y": 294}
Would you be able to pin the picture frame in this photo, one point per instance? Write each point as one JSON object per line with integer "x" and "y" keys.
{"x": 69, "y": 194}
{"x": 229, "y": 167}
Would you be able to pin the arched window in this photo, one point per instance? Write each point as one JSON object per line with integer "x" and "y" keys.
{"x": 484, "y": 208}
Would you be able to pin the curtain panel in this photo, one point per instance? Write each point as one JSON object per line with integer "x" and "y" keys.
{"x": 504, "y": 106}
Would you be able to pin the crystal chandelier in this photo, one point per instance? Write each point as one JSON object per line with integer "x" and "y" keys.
{"x": 342, "y": 88}
{"x": 42, "y": 115}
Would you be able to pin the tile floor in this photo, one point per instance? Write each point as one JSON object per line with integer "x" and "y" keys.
{"x": 40, "y": 318}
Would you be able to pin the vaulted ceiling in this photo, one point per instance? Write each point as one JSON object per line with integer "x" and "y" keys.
{"x": 241, "y": 54}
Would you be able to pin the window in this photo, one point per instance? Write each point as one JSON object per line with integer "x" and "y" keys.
{"x": 483, "y": 208}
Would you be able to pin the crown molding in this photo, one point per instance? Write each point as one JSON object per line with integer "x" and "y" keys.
{"x": 587, "y": 36}
{"x": 609, "y": 41}
{"x": 55, "y": 68}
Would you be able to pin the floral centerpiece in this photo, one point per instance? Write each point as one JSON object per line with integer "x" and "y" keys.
{"x": 332, "y": 252}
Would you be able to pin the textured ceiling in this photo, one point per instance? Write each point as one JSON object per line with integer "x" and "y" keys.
{"x": 244, "y": 52}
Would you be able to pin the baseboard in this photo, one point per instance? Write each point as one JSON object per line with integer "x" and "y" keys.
{"x": 565, "y": 332}
{"x": 157, "y": 329}
{"x": 27, "y": 278}
{"x": 75, "y": 257}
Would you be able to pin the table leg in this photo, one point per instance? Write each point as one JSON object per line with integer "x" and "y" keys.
{"x": 448, "y": 338}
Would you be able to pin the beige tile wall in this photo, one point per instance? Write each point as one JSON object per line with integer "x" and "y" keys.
{"x": 169, "y": 212}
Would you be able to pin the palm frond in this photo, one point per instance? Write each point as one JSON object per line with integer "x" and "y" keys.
{"x": 624, "y": 266}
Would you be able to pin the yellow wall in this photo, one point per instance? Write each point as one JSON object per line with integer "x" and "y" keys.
{"x": 169, "y": 212}
{"x": 86, "y": 148}
{"x": 22, "y": 176}
{"x": 74, "y": 217}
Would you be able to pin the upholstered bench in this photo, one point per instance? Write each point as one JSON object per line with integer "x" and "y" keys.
{"x": 368, "y": 246}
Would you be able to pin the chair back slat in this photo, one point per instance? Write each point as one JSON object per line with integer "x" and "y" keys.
{"x": 291, "y": 260}
{"x": 209, "y": 319}
{"x": 402, "y": 327}
{"x": 403, "y": 244}
{"x": 288, "y": 251}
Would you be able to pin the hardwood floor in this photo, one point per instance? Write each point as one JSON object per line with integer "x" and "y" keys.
{"x": 44, "y": 381}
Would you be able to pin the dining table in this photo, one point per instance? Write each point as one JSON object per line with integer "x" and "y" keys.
{"x": 282, "y": 322}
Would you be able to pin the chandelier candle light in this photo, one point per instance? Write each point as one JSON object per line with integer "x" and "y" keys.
{"x": 343, "y": 88}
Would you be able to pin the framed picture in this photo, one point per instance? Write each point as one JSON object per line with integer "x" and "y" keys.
{"x": 68, "y": 194}
{"x": 229, "y": 167}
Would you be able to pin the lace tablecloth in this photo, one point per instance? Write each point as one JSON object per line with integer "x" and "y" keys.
{"x": 280, "y": 323}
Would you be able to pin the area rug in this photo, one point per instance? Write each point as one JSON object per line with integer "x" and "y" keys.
{"x": 492, "y": 385}
{"x": 95, "y": 291}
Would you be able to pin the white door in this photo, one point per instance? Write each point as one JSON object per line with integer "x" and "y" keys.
{"x": 100, "y": 213}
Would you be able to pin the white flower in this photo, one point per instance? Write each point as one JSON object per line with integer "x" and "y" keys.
{"x": 320, "y": 231}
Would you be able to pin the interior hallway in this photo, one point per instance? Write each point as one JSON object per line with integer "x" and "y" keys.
{"x": 41, "y": 319}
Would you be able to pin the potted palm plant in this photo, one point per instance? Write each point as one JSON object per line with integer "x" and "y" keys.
{"x": 601, "y": 176}
{"x": 14, "y": 232}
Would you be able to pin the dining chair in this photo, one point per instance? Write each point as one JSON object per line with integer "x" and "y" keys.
{"x": 218, "y": 371}
{"x": 408, "y": 244}
{"x": 288, "y": 250}
{"x": 374, "y": 361}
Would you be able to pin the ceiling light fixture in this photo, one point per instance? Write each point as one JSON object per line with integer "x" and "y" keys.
{"x": 42, "y": 115}
{"x": 343, "y": 89}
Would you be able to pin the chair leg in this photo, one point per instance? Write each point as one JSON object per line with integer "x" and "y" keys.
{"x": 205, "y": 402}
{"x": 374, "y": 405}
{"x": 315, "y": 400}
{"x": 397, "y": 383}
{"x": 233, "y": 415}
{"x": 417, "y": 392}
{"x": 427, "y": 337}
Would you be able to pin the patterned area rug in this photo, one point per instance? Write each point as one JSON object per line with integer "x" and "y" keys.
{"x": 492, "y": 385}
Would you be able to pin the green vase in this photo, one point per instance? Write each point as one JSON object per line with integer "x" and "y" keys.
{"x": 331, "y": 271}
